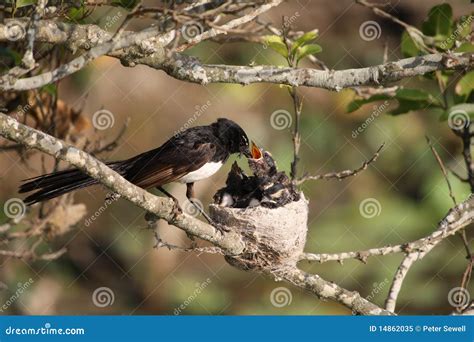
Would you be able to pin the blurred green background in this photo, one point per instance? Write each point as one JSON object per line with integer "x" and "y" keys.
{"x": 117, "y": 252}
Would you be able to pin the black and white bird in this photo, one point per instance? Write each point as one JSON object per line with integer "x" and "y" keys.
{"x": 189, "y": 156}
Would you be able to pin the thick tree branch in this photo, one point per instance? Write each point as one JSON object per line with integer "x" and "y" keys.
{"x": 457, "y": 218}
{"x": 328, "y": 290}
{"x": 162, "y": 207}
{"x": 230, "y": 243}
{"x": 150, "y": 52}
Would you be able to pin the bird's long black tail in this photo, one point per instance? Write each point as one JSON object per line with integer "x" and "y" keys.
{"x": 59, "y": 183}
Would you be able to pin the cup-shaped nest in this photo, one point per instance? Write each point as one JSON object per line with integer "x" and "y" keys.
{"x": 267, "y": 210}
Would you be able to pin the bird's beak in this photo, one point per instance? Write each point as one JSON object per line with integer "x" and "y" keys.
{"x": 255, "y": 152}
{"x": 246, "y": 153}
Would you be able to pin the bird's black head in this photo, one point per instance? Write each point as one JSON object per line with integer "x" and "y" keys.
{"x": 232, "y": 136}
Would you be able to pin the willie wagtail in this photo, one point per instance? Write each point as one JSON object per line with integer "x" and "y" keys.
{"x": 189, "y": 156}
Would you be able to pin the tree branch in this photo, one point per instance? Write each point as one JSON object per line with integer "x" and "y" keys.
{"x": 229, "y": 242}
{"x": 148, "y": 51}
{"x": 457, "y": 218}
{"x": 161, "y": 207}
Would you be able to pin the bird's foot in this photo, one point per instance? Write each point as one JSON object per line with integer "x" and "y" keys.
{"x": 176, "y": 209}
{"x": 220, "y": 227}
{"x": 151, "y": 218}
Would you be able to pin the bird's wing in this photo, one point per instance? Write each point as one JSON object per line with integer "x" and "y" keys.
{"x": 169, "y": 163}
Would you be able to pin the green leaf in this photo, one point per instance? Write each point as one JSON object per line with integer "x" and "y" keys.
{"x": 408, "y": 46}
{"x": 276, "y": 44}
{"x": 463, "y": 27}
{"x": 439, "y": 23}
{"x": 465, "y": 85}
{"x": 129, "y": 4}
{"x": 419, "y": 39}
{"x": 303, "y": 39}
{"x": 465, "y": 47}
{"x": 24, "y": 3}
{"x": 417, "y": 95}
{"x": 414, "y": 99}
{"x": 51, "y": 89}
{"x": 405, "y": 106}
{"x": 306, "y": 50}
{"x": 357, "y": 103}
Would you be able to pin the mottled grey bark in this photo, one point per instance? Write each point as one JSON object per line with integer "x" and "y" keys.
{"x": 140, "y": 48}
{"x": 232, "y": 243}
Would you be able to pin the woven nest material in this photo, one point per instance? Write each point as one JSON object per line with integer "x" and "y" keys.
{"x": 275, "y": 237}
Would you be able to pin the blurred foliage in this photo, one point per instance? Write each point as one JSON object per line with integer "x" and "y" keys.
{"x": 117, "y": 250}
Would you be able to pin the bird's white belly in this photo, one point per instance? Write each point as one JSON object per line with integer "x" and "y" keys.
{"x": 205, "y": 171}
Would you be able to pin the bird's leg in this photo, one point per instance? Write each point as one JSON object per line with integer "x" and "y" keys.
{"x": 190, "y": 197}
{"x": 176, "y": 208}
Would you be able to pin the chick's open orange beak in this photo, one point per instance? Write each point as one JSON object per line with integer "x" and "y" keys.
{"x": 255, "y": 151}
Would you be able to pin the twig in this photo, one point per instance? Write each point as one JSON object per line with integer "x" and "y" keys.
{"x": 398, "y": 279}
{"x": 457, "y": 218}
{"x": 443, "y": 169}
{"x": 412, "y": 31}
{"x": 230, "y": 25}
{"x": 342, "y": 174}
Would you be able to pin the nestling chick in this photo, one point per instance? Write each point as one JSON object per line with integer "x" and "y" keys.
{"x": 267, "y": 187}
